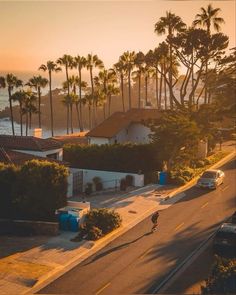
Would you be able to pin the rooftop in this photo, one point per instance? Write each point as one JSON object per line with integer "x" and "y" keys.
{"x": 120, "y": 120}
{"x": 28, "y": 143}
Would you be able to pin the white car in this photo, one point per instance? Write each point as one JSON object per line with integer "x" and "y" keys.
{"x": 211, "y": 179}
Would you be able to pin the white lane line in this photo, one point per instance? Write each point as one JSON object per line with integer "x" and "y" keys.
{"x": 145, "y": 253}
{"x": 179, "y": 226}
{"x": 204, "y": 205}
{"x": 101, "y": 289}
{"x": 225, "y": 188}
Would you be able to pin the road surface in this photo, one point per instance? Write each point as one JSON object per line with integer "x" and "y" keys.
{"x": 138, "y": 261}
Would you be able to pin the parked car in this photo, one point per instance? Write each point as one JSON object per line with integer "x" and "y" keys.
{"x": 211, "y": 179}
{"x": 225, "y": 240}
{"x": 233, "y": 219}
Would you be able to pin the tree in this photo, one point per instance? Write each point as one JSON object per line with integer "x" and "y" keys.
{"x": 128, "y": 59}
{"x": 66, "y": 61}
{"x": 80, "y": 63}
{"x": 92, "y": 62}
{"x": 177, "y": 133}
{"x": 38, "y": 82}
{"x": 51, "y": 67}
{"x": 206, "y": 19}
{"x": 20, "y": 97}
{"x": 120, "y": 70}
{"x": 139, "y": 64}
{"x": 29, "y": 108}
{"x": 112, "y": 89}
{"x": 222, "y": 279}
{"x": 170, "y": 24}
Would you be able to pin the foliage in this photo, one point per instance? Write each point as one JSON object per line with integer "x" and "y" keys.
{"x": 39, "y": 189}
{"x": 104, "y": 219}
{"x": 94, "y": 233}
{"x": 121, "y": 158}
{"x": 222, "y": 279}
{"x": 181, "y": 175}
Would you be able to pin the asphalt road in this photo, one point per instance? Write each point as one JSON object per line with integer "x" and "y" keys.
{"x": 138, "y": 261}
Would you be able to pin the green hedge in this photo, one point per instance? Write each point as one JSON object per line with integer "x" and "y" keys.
{"x": 34, "y": 191}
{"x": 130, "y": 158}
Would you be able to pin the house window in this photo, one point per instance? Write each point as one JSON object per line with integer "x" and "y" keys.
{"x": 52, "y": 156}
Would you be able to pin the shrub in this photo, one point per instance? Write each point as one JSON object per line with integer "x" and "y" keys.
{"x": 104, "y": 219}
{"x": 123, "y": 184}
{"x": 129, "y": 180}
{"x": 181, "y": 175}
{"x": 94, "y": 233}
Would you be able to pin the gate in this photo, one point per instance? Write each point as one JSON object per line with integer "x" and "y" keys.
{"x": 77, "y": 182}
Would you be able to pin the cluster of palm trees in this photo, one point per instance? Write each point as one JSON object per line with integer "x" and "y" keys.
{"x": 192, "y": 47}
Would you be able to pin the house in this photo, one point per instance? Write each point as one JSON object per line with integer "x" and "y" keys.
{"x": 123, "y": 127}
{"x": 19, "y": 149}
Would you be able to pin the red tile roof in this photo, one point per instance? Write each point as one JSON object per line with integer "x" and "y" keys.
{"x": 19, "y": 158}
{"x": 28, "y": 143}
{"x": 120, "y": 120}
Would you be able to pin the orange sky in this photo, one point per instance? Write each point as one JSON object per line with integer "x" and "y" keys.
{"x": 33, "y": 32}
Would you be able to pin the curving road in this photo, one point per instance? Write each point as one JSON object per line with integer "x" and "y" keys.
{"x": 138, "y": 261}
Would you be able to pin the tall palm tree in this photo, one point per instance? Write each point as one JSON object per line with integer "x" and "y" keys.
{"x": 120, "y": 70}
{"x": 139, "y": 62}
{"x": 206, "y": 18}
{"x": 128, "y": 58}
{"x": 51, "y": 67}
{"x": 112, "y": 89}
{"x": 148, "y": 73}
{"x": 170, "y": 24}
{"x": 80, "y": 63}
{"x": 28, "y": 108}
{"x": 38, "y": 82}
{"x": 66, "y": 61}
{"x": 20, "y": 97}
{"x": 93, "y": 62}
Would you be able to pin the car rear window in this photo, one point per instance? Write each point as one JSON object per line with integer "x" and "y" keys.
{"x": 209, "y": 174}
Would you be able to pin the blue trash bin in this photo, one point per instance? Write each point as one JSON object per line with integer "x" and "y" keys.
{"x": 74, "y": 225}
{"x": 163, "y": 178}
{"x": 64, "y": 221}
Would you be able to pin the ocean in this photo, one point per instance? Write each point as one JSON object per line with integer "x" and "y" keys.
{"x": 57, "y": 79}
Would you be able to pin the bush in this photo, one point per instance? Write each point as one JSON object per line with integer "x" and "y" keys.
{"x": 104, "y": 219}
{"x": 94, "y": 233}
{"x": 123, "y": 184}
{"x": 129, "y": 180}
{"x": 181, "y": 175}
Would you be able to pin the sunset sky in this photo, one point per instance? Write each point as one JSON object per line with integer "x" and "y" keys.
{"x": 33, "y": 32}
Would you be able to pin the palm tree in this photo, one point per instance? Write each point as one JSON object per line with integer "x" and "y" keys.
{"x": 38, "y": 82}
{"x": 12, "y": 83}
{"x": 128, "y": 58}
{"x": 50, "y": 66}
{"x": 80, "y": 63}
{"x": 89, "y": 100}
{"x": 148, "y": 72}
{"x": 92, "y": 62}
{"x": 139, "y": 62}
{"x": 19, "y": 96}
{"x": 112, "y": 89}
{"x": 120, "y": 70}
{"x": 28, "y": 107}
{"x": 206, "y": 19}
{"x": 66, "y": 61}
{"x": 170, "y": 24}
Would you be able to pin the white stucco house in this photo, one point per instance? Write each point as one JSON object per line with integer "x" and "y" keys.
{"x": 123, "y": 127}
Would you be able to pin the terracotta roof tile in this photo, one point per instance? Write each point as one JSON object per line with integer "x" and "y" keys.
{"x": 120, "y": 120}
{"x": 28, "y": 143}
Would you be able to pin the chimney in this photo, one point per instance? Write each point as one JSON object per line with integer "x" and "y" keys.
{"x": 37, "y": 132}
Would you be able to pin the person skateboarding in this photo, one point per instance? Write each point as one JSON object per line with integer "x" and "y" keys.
{"x": 154, "y": 218}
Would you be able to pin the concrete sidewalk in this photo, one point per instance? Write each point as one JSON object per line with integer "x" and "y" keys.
{"x": 57, "y": 255}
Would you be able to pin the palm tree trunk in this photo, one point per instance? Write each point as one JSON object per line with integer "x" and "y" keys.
{"x": 80, "y": 100}
{"x": 67, "y": 118}
{"x": 89, "y": 111}
{"x": 26, "y": 126}
{"x": 193, "y": 98}
{"x": 21, "y": 121}
{"x": 39, "y": 106}
{"x": 109, "y": 105}
{"x": 130, "y": 105}
{"x": 160, "y": 88}
{"x": 50, "y": 96}
{"x": 30, "y": 117}
{"x": 71, "y": 118}
{"x": 122, "y": 92}
{"x": 11, "y": 111}
{"x": 139, "y": 90}
{"x": 146, "y": 90}
{"x": 157, "y": 98}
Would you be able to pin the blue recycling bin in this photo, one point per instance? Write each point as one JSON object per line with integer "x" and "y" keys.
{"x": 64, "y": 221}
{"x": 74, "y": 224}
{"x": 162, "y": 178}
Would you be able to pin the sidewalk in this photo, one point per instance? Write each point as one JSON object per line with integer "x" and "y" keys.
{"x": 55, "y": 256}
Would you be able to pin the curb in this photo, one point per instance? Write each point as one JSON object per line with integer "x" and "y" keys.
{"x": 92, "y": 247}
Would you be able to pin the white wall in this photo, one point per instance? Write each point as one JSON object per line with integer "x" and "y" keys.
{"x": 98, "y": 140}
{"x": 138, "y": 133}
{"x": 44, "y": 153}
{"x": 110, "y": 179}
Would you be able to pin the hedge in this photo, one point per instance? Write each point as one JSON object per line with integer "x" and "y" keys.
{"x": 33, "y": 191}
{"x": 130, "y": 158}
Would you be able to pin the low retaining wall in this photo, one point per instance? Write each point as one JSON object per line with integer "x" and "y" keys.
{"x": 28, "y": 227}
